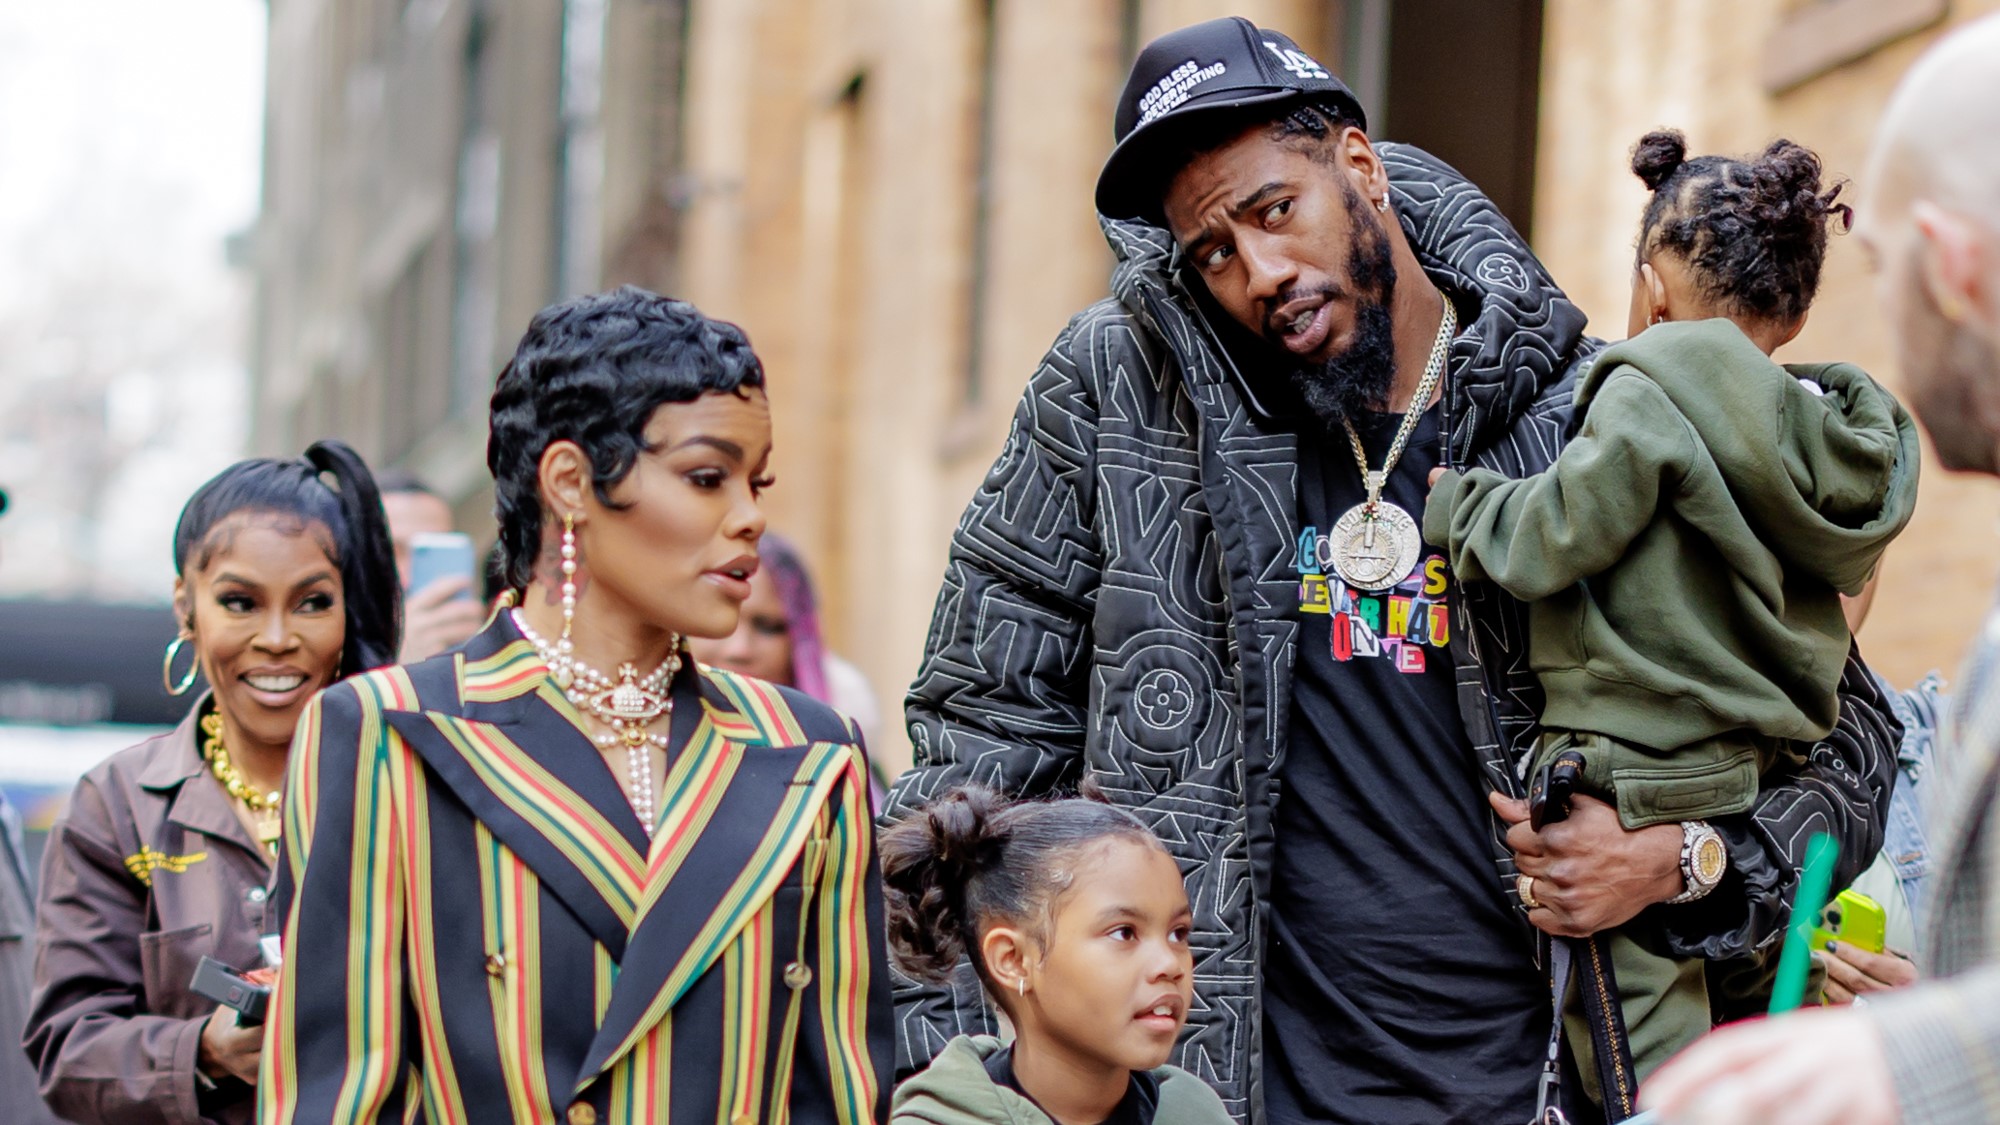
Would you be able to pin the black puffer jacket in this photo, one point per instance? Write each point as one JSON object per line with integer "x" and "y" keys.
{"x": 1119, "y": 602}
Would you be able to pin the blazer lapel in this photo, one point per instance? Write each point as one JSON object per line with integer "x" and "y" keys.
{"x": 737, "y": 815}
{"x": 517, "y": 759}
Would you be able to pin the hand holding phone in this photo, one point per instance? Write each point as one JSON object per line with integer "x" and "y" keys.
{"x": 438, "y": 555}
{"x": 222, "y": 984}
{"x": 1853, "y": 919}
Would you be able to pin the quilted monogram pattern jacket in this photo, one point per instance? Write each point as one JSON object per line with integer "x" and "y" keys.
{"x": 1118, "y": 599}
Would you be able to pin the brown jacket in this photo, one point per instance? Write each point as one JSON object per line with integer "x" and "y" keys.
{"x": 148, "y": 870}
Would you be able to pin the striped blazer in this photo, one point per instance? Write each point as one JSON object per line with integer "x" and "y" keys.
{"x": 478, "y": 931}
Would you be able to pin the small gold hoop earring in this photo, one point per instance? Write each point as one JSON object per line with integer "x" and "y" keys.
{"x": 167, "y": 669}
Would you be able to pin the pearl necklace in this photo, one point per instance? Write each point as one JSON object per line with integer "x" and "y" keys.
{"x": 629, "y": 706}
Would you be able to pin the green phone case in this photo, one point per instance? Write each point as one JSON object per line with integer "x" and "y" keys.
{"x": 1852, "y": 918}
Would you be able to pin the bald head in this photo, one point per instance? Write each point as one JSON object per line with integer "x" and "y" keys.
{"x": 1929, "y": 216}
{"x": 1936, "y": 140}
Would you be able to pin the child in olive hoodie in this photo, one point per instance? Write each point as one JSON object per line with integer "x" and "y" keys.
{"x": 1076, "y": 920}
{"x": 1683, "y": 559}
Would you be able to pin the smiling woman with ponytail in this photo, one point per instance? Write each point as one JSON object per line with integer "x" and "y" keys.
{"x": 286, "y": 584}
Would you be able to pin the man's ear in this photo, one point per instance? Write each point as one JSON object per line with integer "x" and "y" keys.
{"x": 1371, "y": 177}
{"x": 1008, "y": 955}
{"x": 1954, "y": 260}
{"x": 565, "y": 476}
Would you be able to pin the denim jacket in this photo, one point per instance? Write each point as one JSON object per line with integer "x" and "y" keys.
{"x": 1919, "y": 710}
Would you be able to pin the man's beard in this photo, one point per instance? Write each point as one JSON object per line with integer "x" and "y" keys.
{"x": 1947, "y": 382}
{"x": 1358, "y": 377}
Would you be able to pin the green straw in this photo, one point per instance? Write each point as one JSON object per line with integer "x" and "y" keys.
{"x": 1795, "y": 962}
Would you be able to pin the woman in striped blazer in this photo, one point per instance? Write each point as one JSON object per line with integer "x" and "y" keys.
{"x": 562, "y": 873}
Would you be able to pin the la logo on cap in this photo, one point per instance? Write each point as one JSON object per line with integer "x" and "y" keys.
{"x": 1297, "y": 61}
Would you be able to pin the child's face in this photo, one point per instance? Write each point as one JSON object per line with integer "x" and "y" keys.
{"x": 1114, "y": 986}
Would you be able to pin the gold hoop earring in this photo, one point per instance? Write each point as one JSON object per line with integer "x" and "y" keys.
{"x": 167, "y": 669}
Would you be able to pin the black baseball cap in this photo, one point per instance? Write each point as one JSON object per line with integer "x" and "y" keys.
{"x": 1219, "y": 65}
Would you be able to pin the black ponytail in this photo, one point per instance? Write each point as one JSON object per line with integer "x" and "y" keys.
{"x": 973, "y": 859}
{"x": 330, "y": 485}
{"x": 370, "y": 586}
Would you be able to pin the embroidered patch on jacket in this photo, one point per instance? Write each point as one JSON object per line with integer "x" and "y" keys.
{"x": 148, "y": 861}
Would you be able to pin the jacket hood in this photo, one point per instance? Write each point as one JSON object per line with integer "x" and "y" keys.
{"x": 1825, "y": 480}
{"x": 1519, "y": 335}
{"x": 956, "y": 1090}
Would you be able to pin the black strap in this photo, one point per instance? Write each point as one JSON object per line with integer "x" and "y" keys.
{"x": 1548, "y": 1093}
{"x": 1616, "y": 1078}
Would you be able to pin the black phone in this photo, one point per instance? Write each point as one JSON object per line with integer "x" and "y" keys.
{"x": 225, "y": 986}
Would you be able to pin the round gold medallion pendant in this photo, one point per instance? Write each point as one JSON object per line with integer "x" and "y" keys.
{"x": 1375, "y": 551}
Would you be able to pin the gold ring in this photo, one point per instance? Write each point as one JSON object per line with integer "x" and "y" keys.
{"x": 1524, "y": 885}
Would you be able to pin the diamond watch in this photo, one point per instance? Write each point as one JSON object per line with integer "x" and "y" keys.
{"x": 1704, "y": 860}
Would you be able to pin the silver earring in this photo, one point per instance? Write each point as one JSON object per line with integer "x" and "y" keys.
{"x": 1021, "y": 985}
{"x": 1382, "y": 205}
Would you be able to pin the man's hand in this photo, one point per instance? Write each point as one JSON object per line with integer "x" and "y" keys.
{"x": 437, "y": 617}
{"x": 1589, "y": 872}
{"x": 1435, "y": 474}
{"x": 1851, "y": 971}
{"x": 1817, "y": 1067}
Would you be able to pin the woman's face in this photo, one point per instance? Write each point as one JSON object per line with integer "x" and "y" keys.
{"x": 1112, "y": 989}
{"x": 680, "y": 551}
{"x": 761, "y": 646}
{"x": 268, "y": 621}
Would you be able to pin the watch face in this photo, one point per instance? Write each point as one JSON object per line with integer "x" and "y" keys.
{"x": 1710, "y": 859}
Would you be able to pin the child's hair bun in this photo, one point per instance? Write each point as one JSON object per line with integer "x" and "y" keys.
{"x": 1657, "y": 156}
{"x": 926, "y": 866}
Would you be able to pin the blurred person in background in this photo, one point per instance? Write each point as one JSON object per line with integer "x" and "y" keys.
{"x": 1929, "y": 1053}
{"x": 778, "y": 639}
{"x": 1897, "y": 879}
{"x": 165, "y": 852}
{"x": 19, "y": 1087}
{"x": 446, "y": 612}
{"x": 527, "y": 961}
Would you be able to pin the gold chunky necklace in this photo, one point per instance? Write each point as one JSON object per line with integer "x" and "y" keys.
{"x": 264, "y": 807}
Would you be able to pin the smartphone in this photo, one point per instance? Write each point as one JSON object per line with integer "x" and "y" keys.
{"x": 225, "y": 986}
{"x": 441, "y": 554}
{"x": 1852, "y": 918}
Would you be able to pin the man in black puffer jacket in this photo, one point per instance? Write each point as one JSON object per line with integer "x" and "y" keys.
{"x": 1175, "y": 581}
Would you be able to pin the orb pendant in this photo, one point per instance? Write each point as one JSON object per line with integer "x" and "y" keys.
{"x": 1375, "y": 550}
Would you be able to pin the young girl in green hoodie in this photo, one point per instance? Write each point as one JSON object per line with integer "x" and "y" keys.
{"x": 1076, "y": 920}
{"x": 1683, "y": 559}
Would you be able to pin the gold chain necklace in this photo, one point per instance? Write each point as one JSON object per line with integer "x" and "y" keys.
{"x": 1375, "y": 543}
{"x": 264, "y": 807}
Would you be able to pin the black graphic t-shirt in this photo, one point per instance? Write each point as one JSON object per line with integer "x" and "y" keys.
{"x": 1398, "y": 985}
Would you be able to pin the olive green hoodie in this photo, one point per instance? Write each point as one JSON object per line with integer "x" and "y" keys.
{"x": 1683, "y": 556}
{"x": 956, "y": 1090}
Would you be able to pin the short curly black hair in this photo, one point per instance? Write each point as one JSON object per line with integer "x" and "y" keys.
{"x": 1754, "y": 231}
{"x": 592, "y": 370}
